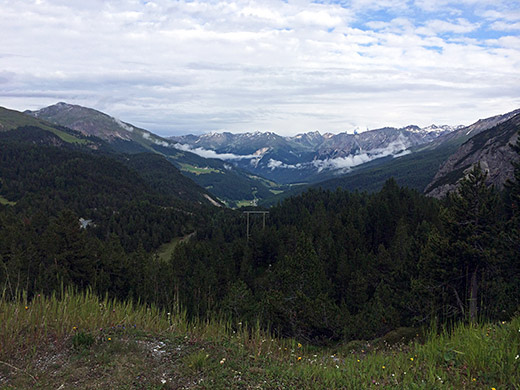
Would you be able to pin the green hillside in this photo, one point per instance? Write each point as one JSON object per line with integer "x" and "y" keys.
{"x": 223, "y": 180}
{"x": 10, "y": 120}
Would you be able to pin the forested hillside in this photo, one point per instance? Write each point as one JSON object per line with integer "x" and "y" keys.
{"x": 329, "y": 265}
{"x": 70, "y": 215}
{"x": 333, "y": 265}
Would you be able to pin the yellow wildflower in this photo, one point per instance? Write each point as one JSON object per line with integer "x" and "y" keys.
{"x": 299, "y": 358}
{"x": 411, "y": 359}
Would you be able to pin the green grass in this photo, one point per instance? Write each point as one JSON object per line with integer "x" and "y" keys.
{"x": 198, "y": 170}
{"x": 165, "y": 251}
{"x": 4, "y": 201}
{"x": 69, "y": 138}
{"x": 84, "y": 342}
{"x": 10, "y": 120}
{"x": 243, "y": 203}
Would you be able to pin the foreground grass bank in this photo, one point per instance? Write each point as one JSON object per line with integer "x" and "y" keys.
{"x": 83, "y": 342}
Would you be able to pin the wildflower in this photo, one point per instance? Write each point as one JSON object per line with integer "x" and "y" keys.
{"x": 26, "y": 307}
{"x": 358, "y": 360}
{"x": 299, "y": 358}
{"x": 493, "y": 388}
{"x": 517, "y": 357}
{"x": 110, "y": 339}
{"x": 299, "y": 345}
{"x": 411, "y": 359}
{"x": 473, "y": 379}
{"x": 74, "y": 328}
{"x": 383, "y": 367}
{"x": 223, "y": 361}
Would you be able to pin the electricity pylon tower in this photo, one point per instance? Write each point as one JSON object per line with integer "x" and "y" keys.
{"x": 247, "y": 213}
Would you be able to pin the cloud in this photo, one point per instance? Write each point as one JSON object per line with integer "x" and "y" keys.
{"x": 504, "y": 26}
{"x": 197, "y": 66}
{"x": 275, "y": 164}
{"x": 395, "y": 149}
{"x": 460, "y": 26}
{"x": 212, "y": 154}
{"x": 124, "y": 125}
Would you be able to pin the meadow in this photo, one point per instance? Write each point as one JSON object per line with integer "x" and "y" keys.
{"x": 79, "y": 340}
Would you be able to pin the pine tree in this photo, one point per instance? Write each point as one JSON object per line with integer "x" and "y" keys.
{"x": 470, "y": 222}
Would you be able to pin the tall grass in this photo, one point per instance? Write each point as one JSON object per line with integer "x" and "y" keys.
{"x": 26, "y": 323}
{"x": 471, "y": 356}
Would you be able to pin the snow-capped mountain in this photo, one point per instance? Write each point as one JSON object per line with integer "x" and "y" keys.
{"x": 309, "y": 156}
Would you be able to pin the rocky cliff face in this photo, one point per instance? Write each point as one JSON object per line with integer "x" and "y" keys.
{"x": 489, "y": 147}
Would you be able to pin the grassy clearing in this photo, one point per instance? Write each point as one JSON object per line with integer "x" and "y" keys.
{"x": 198, "y": 170}
{"x": 245, "y": 203}
{"x": 81, "y": 341}
{"x": 4, "y": 201}
{"x": 69, "y": 138}
{"x": 165, "y": 251}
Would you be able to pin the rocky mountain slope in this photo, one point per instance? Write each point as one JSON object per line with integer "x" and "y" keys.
{"x": 416, "y": 169}
{"x": 491, "y": 148}
{"x": 309, "y": 157}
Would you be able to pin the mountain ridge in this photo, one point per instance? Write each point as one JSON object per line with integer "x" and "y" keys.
{"x": 306, "y": 156}
{"x": 491, "y": 148}
{"x": 224, "y": 181}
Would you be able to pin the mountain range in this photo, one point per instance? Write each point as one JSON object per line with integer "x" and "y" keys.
{"x": 243, "y": 169}
{"x": 309, "y": 157}
{"x": 225, "y": 181}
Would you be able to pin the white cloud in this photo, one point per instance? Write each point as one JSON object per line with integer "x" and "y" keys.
{"x": 212, "y": 154}
{"x": 275, "y": 164}
{"x": 505, "y": 26}
{"x": 395, "y": 149}
{"x": 288, "y": 67}
{"x": 123, "y": 125}
{"x": 460, "y": 26}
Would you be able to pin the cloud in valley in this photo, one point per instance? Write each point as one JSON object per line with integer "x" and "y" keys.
{"x": 212, "y": 154}
{"x": 394, "y": 149}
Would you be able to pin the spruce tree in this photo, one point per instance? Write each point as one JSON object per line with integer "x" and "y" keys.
{"x": 470, "y": 222}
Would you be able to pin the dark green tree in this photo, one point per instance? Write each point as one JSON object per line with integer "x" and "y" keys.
{"x": 471, "y": 226}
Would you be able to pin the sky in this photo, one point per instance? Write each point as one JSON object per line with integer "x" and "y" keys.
{"x": 190, "y": 66}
